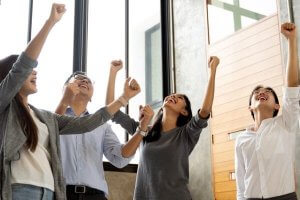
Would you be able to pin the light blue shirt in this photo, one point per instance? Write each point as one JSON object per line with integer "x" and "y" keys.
{"x": 82, "y": 156}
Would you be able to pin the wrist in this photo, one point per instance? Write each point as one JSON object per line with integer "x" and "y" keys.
{"x": 141, "y": 132}
{"x": 50, "y": 23}
{"x": 123, "y": 100}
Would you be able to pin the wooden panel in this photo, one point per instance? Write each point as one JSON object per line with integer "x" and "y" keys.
{"x": 223, "y": 156}
{"x": 223, "y": 166}
{"x": 220, "y": 138}
{"x": 249, "y": 70}
{"x": 248, "y": 61}
{"x": 222, "y": 176}
{"x": 225, "y": 186}
{"x": 225, "y": 195}
{"x": 223, "y": 147}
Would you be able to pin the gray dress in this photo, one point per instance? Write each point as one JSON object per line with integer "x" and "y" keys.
{"x": 163, "y": 171}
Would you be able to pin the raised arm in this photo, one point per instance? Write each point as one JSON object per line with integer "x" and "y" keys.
{"x": 146, "y": 114}
{"x": 24, "y": 65}
{"x": 210, "y": 90}
{"x": 289, "y": 31}
{"x": 115, "y": 66}
{"x": 34, "y": 48}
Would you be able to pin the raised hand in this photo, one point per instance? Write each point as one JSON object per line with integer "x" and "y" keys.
{"x": 131, "y": 88}
{"x": 213, "y": 62}
{"x": 146, "y": 115}
{"x": 71, "y": 90}
{"x": 116, "y": 65}
{"x": 289, "y": 30}
{"x": 57, "y": 12}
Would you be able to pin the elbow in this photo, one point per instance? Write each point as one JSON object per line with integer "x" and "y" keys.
{"x": 126, "y": 154}
{"x": 204, "y": 113}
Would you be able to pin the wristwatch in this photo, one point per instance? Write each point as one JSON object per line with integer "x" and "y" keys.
{"x": 143, "y": 133}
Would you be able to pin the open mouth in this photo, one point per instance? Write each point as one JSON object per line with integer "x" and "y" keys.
{"x": 84, "y": 86}
{"x": 172, "y": 100}
{"x": 33, "y": 81}
{"x": 262, "y": 98}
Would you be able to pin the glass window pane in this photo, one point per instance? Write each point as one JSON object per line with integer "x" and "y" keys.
{"x": 55, "y": 61}
{"x": 226, "y": 17}
{"x": 246, "y": 21}
{"x": 217, "y": 16}
{"x": 13, "y": 31}
{"x": 145, "y": 53}
{"x": 265, "y": 7}
{"x": 106, "y": 42}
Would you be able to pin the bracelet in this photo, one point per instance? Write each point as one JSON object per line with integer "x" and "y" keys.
{"x": 143, "y": 133}
{"x": 123, "y": 101}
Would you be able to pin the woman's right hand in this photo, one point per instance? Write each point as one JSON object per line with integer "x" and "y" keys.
{"x": 146, "y": 115}
{"x": 131, "y": 88}
{"x": 57, "y": 12}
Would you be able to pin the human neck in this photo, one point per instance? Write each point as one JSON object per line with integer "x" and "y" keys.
{"x": 169, "y": 120}
{"x": 79, "y": 106}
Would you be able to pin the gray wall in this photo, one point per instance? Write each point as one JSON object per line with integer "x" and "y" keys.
{"x": 284, "y": 17}
{"x": 191, "y": 79}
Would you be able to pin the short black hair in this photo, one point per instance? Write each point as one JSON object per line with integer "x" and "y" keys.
{"x": 73, "y": 75}
{"x": 275, "y": 113}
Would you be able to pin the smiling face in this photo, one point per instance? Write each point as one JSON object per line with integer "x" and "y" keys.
{"x": 176, "y": 103}
{"x": 29, "y": 86}
{"x": 264, "y": 98}
{"x": 84, "y": 83}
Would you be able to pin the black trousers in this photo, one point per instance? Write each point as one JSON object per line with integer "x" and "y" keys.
{"x": 89, "y": 194}
{"x": 291, "y": 196}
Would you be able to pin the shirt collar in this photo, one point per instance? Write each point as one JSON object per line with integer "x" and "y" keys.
{"x": 70, "y": 112}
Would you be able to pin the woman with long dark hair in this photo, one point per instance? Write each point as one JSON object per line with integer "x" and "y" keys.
{"x": 30, "y": 167}
{"x": 163, "y": 171}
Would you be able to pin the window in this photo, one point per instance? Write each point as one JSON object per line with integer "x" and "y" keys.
{"x": 228, "y": 16}
{"x": 106, "y": 42}
{"x": 55, "y": 61}
{"x": 13, "y": 38}
{"x": 145, "y": 61}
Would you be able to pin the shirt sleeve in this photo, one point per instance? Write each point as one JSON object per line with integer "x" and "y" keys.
{"x": 16, "y": 77}
{"x": 291, "y": 108}
{"x": 193, "y": 130}
{"x": 129, "y": 124}
{"x": 240, "y": 172}
{"x": 113, "y": 149}
{"x": 78, "y": 125}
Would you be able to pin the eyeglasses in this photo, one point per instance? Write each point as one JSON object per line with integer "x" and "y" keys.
{"x": 82, "y": 77}
{"x": 260, "y": 90}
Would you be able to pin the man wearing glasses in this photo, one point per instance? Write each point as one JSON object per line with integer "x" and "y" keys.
{"x": 265, "y": 152}
{"x": 82, "y": 154}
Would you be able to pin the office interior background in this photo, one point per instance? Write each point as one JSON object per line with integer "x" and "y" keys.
{"x": 165, "y": 45}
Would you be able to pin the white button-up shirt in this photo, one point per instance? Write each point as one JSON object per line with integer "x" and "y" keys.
{"x": 82, "y": 156}
{"x": 264, "y": 160}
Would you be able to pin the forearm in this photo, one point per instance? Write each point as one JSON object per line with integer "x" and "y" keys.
{"x": 34, "y": 48}
{"x": 292, "y": 68}
{"x": 61, "y": 108}
{"x": 110, "y": 92}
{"x": 209, "y": 96}
{"x": 132, "y": 145}
{"x": 114, "y": 107}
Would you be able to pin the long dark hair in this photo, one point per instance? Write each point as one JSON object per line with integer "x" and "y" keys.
{"x": 26, "y": 121}
{"x": 275, "y": 112}
{"x": 155, "y": 131}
